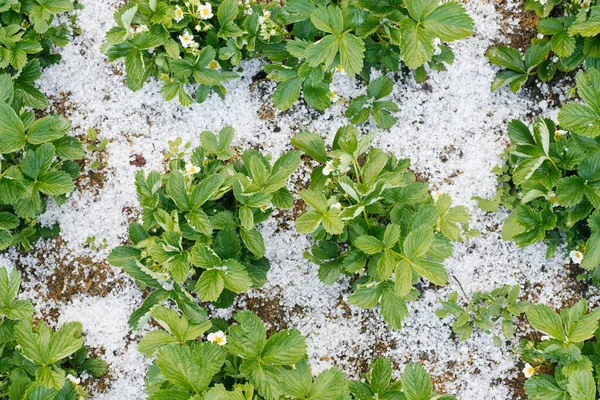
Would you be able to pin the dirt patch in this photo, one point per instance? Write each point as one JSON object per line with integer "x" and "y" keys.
{"x": 268, "y": 309}
{"x": 518, "y": 25}
{"x": 70, "y": 277}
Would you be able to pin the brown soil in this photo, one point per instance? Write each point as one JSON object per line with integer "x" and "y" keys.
{"x": 269, "y": 310}
{"x": 520, "y": 36}
{"x": 71, "y": 277}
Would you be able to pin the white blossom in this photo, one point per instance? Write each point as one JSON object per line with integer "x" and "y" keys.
{"x": 218, "y": 338}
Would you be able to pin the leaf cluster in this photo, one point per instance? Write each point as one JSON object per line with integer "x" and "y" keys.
{"x": 36, "y": 361}
{"x": 371, "y": 218}
{"x": 27, "y": 36}
{"x": 570, "y": 346}
{"x": 483, "y": 310}
{"x": 38, "y": 162}
{"x": 374, "y": 103}
{"x": 570, "y": 38}
{"x": 198, "y": 229}
{"x": 304, "y": 43}
{"x": 551, "y": 177}
{"x": 255, "y": 365}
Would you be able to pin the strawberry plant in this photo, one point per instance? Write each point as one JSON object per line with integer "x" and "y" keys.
{"x": 566, "y": 40}
{"x": 362, "y": 107}
{"x": 38, "y": 162}
{"x": 28, "y": 36}
{"x": 550, "y": 180}
{"x": 371, "y": 218}
{"x": 241, "y": 361}
{"x": 568, "y": 349}
{"x": 37, "y": 362}
{"x": 415, "y": 383}
{"x": 483, "y": 310}
{"x": 198, "y": 229}
{"x": 304, "y": 43}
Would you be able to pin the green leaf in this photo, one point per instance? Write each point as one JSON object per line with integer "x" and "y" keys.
{"x": 580, "y": 118}
{"x": 570, "y": 191}
{"x": 45, "y": 348}
{"x": 253, "y": 241}
{"x": 393, "y": 309}
{"x": 12, "y": 130}
{"x": 178, "y": 366}
{"x": 312, "y": 144}
{"x": 563, "y": 44}
{"x": 582, "y": 386}
{"x": 332, "y": 222}
{"x": 248, "y": 337}
{"x": 286, "y": 347}
{"x": 55, "y": 183}
{"x": 210, "y": 285}
{"x": 546, "y": 320}
{"x": 352, "y": 52}
{"x": 369, "y": 244}
{"x": 328, "y": 19}
{"x": 417, "y": 44}
{"x": 287, "y": 93}
{"x": 591, "y": 255}
{"x": 588, "y": 88}
{"x": 308, "y": 222}
{"x": 324, "y": 51}
{"x": 449, "y": 22}
{"x": 416, "y": 384}
{"x": 506, "y": 57}
{"x": 418, "y": 242}
{"x": 419, "y": 9}
{"x": 329, "y": 384}
{"x": 47, "y": 129}
{"x": 227, "y": 12}
{"x": 315, "y": 199}
{"x": 544, "y": 387}
{"x": 176, "y": 188}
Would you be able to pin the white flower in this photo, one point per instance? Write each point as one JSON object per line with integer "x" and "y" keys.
{"x": 545, "y": 337}
{"x": 75, "y": 381}
{"x": 198, "y": 28}
{"x": 551, "y": 197}
{"x": 217, "y": 337}
{"x": 191, "y": 169}
{"x": 528, "y": 371}
{"x": 187, "y": 40}
{"x": 162, "y": 276}
{"x": 205, "y": 11}
{"x": 336, "y": 205}
{"x": 340, "y": 69}
{"x": 141, "y": 28}
{"x": 263, "y": 18}
{"x": 540, "y": 35}
{"x": 435, "y": 194}
{"x": 543, "y": 2}
{"x": 560, "y": 132}
{"x": 333, "y": 96}
{"x": 178, "y": 14}
{"x": 214, "y": 64}
{"x": 576, "y": 256}
{"x": 329, "y": 168}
